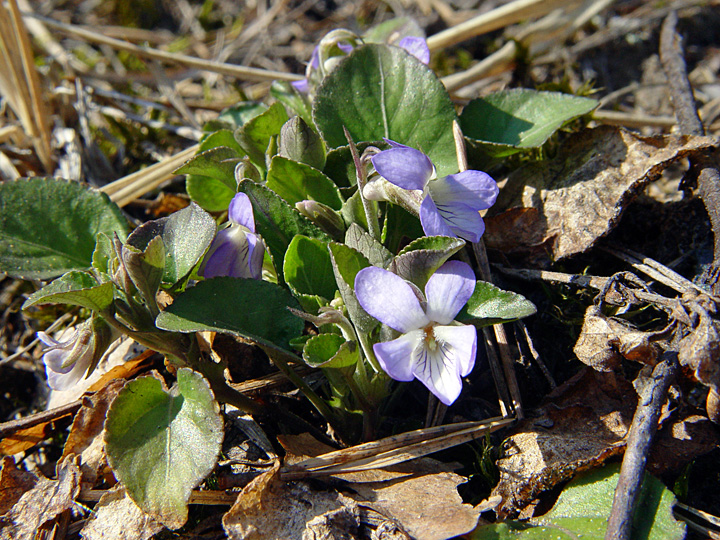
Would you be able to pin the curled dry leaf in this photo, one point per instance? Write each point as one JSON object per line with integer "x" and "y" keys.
{"x": 700, "y": 352}
{"x": 117, "y": 516}
{"x": 583, "y": 423}
{"x": 581, "y": 194}
{"x": 420, "y": 494}
{"x": 43, "y": 503}
{"x": 604, "y": 341}
{"x": 270, "y": 509}
{"x": 13, "y": 483}
{"x": 85, "y": 438}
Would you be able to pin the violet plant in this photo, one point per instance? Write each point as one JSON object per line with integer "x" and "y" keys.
{"x": 317, "y": 230}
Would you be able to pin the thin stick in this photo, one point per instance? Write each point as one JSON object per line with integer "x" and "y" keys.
{"x": 13, "y": 426}
{"x": 496, "y": 62}
{"x": 239, "y": 72}
{"x": 633, "y": 120}
{"x": 506, "y": 15}
{"x": 671, "y": 56}
{"x": 640, "y": 438}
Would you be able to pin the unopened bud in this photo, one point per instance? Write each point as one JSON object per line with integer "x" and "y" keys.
{"x": 323, "y": 216}
{"x": 300, "y": 142}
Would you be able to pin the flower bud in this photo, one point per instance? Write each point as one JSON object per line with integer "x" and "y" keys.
{"x": 323, "y": 216}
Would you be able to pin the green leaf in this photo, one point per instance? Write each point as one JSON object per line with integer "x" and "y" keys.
{"x": 48, "y": 226}
{"x": 400, "y": 227}
{"x": 299, "y": 142}
{"x": 103, "y": 254}
{"x": 358, "y": 239}
{"x": 419, "y": 260}
{"x": 161, "y": 444}
{"x": 146, "y": 268}
{"x": 296, "y": 182}
{"x": 507, "y": 122}
{"x": 339, "y": 165}
{"x": 296, "y": 101}
{"x": 241, "y": 113}
{"x": 276, "y": 221}
{"x": 74, "y": 289}
{"x": 347, "y": 262}
{"x": 221, "y": 137}
{"x": 583, "y": 508}
{"x": 255, "y": 135}
{"x": 330, "y": 351}
{"x": 211, "y": 177}
{"x": 353, "y": 211}
{"x": 186, "y": 235}
{"x": 493, "y": 305}
{"x": 308, "y": 269}
{"x": 253, "y": 309}
{"x": 381, "y": 91}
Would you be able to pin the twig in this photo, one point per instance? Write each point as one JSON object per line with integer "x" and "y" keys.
{"x": 708, "y": 179}
{"x": 505, "y": 15}
{"x": 13, "y": 426}
{"x": 640, "y": 438}
{"x": 633, "y": 120}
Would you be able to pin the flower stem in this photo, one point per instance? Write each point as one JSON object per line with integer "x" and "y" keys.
{"x": 361, "y": 175}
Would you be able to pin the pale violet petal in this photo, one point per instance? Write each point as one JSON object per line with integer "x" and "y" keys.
{"x": 462, "y": 220}
{"x": 432, "y": 221}
{"x": 229, "y": 254}
{"x": 240, "y": 212}
{"x": 435, "y": 364}
{"x": 347, "y": 48}
{"x": 416, "y": 46}
{"x": 301, "y": 86}
{"x": 448, "y": 290}
{"x": 463, "y": 340}
{"x": 389, "y": 299}
{"x": 405, "y": 167}
{"x": 471, "y": 188}
{"x": 255, "y": 256}
{"x": 395, "y": 357}
{"x": 66, "y": 378}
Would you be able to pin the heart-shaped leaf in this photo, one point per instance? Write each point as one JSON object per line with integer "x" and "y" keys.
{"x": 253, "y": 309}
{"x": 255, "y": 135}
{"x": 308, "y": 269}
{"x": 276, "y": 221}
{"x": 74, "y": 289}
{"x": 48, "y": 226}
{"x": 504, "y": 123}
{"x": 381, "y": 91}
{"x": 491, "y": 305}
{"x": 583, "y": 508}
{"x": 161, "y": 444}
{"x": 296, "y": 182}
{"x": 186, "y": 235}
{"x": 419, "y": 260}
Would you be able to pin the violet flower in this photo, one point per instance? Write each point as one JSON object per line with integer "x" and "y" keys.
{"x": 236, "y": 250}
{"x": 431, "y": 348}
{"x": 450, "y": 204}
{"x": 67, "y": 361}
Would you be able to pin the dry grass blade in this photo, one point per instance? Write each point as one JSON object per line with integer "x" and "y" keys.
{"x": 239, "y": 72}
{"x": 492, "y": 20}
{"x": 19, "y": 82}
{"x": 125, "y": 190}
{"x": 393, "y": 450}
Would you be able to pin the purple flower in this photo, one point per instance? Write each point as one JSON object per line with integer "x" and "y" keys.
{"x": 450, "y": 204}
{"x": 66, "y": 361}
{"x": 416, "y": 46}
{"x": 236, "y": 250}
{"x": 431, "y": 348}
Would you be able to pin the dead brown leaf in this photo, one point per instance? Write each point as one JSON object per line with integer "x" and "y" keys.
{"x": 700, "y": 352}
{"x": 116, "y": 516}
{"x": 268, "y": 509}
{"x": 582, "y": 424}
{"x": 420, "y": 494}
{"x": 25, "y": 438}
{"x": 680, "y": 441}
{"x": 85, "y": 438}
{"x": 43, "y": 503}
{"x": 13, "y": 483}
{"x": 581, "y": 194}
{"x": 605, "y": 341}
